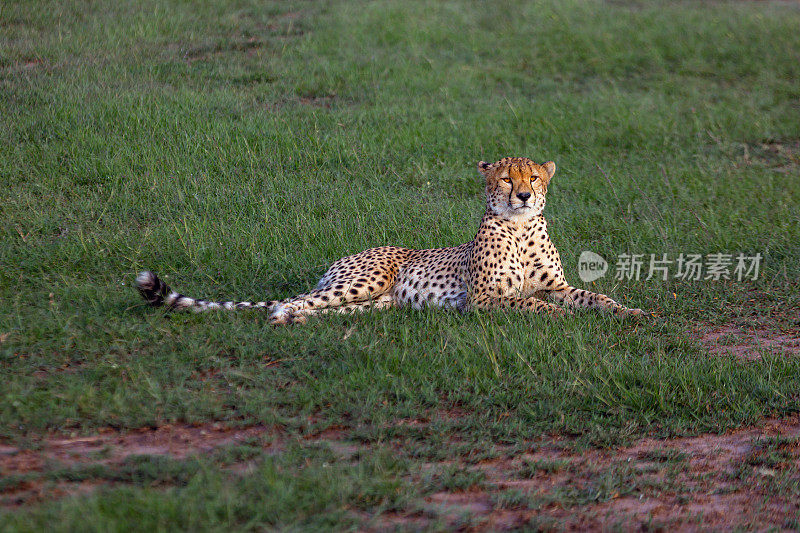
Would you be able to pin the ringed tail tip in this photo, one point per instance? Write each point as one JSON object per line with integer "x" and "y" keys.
{"x": 152, "y": 289}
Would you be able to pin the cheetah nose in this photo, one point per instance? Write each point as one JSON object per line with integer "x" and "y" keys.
{"x": 523, "y": 196}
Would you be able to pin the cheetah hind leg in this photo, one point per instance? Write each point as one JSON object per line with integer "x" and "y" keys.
{"x": 351, "y": 283}
{"x": 297, "y": 310}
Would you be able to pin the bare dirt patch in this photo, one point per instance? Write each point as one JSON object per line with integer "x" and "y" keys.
{"x": 780, "y": 155}
{"x": 747, "y": 477}
{"x": 749, "y": 343}
{"x": 326, "y": 100}
{"x": 108, "y": 448}
{"x": 709, "y": 481}
{"x": 111, "y": 446}
{"x": 205, "y": 52}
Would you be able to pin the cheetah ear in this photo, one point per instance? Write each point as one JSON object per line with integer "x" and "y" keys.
{"x": 483, "y": 167}
{"x": 550, "y": 167}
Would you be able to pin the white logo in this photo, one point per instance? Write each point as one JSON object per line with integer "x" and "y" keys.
{"x": 591, "y": 266}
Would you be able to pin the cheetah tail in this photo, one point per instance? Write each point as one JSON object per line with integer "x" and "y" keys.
{"x": 157, "y": 293}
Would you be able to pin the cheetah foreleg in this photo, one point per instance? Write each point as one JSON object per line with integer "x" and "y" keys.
{"x": 530, "y": 303}
{"x": 579, "y": 298}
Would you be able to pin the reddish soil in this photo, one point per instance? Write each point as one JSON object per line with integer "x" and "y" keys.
{"x": 749, "y": 343}
{"x": 109, "y": 447}
{"x": 708, "y": 481}
{"x": 712, "y": 482}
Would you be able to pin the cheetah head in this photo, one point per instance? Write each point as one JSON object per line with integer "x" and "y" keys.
{"x": 516, "y": 186}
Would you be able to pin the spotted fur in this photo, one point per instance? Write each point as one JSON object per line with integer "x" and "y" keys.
{"x": 511, "y": 263}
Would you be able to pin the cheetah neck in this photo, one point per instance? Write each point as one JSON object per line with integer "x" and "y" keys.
{"x": 536, "y": 229}
{"x": 517, "y": 226}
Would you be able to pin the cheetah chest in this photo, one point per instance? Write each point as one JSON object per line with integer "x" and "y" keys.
{"x": 541, "y": 261}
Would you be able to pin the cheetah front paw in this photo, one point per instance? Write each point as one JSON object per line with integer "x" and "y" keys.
{"x": 638, "y": 314}
{"x": 625, "y": 312}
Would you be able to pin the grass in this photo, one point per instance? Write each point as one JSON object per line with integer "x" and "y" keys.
{"x": 529, "y": 468}
{"x": 239, "y": 149}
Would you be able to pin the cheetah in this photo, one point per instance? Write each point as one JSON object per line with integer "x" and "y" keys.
{"x": 510, "y": 264}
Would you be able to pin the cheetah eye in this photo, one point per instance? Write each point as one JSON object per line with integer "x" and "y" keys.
{"x": 534, "y": 178}
{"x": 507, "y": 180}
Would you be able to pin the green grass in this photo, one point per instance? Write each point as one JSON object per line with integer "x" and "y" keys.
{"x": 165, "y": 494}
{"x": 240, "y": 149}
